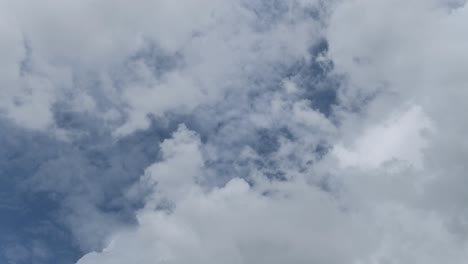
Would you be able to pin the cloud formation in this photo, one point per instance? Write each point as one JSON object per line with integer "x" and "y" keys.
{"x": 296, "y": 131}
{"x": 236, "y": 223}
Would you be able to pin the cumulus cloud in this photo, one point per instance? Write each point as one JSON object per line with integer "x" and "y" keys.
{"x": 414, "y": 59}
{"x": 84, "y": 51}
{"x": 401, "y": 65}
{"x": 234, "y": 131}
{"x": 273, "y": 222}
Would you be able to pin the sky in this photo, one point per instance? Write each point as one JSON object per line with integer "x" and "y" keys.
{"x": 233, "y": 131}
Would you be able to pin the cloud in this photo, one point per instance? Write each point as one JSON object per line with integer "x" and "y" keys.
{"x": 401, "y": 138}
{"x": 413, "y": 59}
{"x": 81, "y": 52}
{"x": 77, "y": 75}
{"x": 236, "y": 223}
{"x": 256, "y": 219}
{"x": 233, "y": 131}
{"x": 378, "y": 195}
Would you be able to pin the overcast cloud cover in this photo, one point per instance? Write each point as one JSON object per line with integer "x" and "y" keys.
{"x": 233, "y": 131}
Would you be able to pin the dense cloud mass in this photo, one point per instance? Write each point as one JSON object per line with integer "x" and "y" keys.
{"x": 240, "y": 131}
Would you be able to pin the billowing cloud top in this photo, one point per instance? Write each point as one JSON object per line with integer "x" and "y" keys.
{"x": 260, "y": 131}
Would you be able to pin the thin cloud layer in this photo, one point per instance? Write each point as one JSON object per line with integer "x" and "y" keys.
{"x": 300, "y": 131}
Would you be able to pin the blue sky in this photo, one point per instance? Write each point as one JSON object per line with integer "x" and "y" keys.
{"x": 299, "y": 131}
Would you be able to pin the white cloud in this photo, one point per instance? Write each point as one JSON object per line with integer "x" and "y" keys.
{"x": 21, "y": 97}
{"x": 412, "y": 49}
{"x": 401, "y": 53}
{"x": 392, "y": 184}
{"x": 379, "y": 180}
{"x": 223, "y": 56}
{"x": 84, "y": 46}
{"x": 377, "y": 218}
{"x": 412, "y": 53}
{"x": 401, "y": 137}
{"x": 231, "y": 224}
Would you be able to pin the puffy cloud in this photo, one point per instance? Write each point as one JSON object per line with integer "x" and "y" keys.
{"x": 313, "y": 131}
{"x": 387, "y": 192}
{"x": 374, "y": 217}
{"x": 411, "y": 50}
{"x": 397, "y": 55}
{"x": 270, "y": 223}
{"x": 84, "y": 73}
{"x": 82, "y": 52}
{"x": 413, "y": 59}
